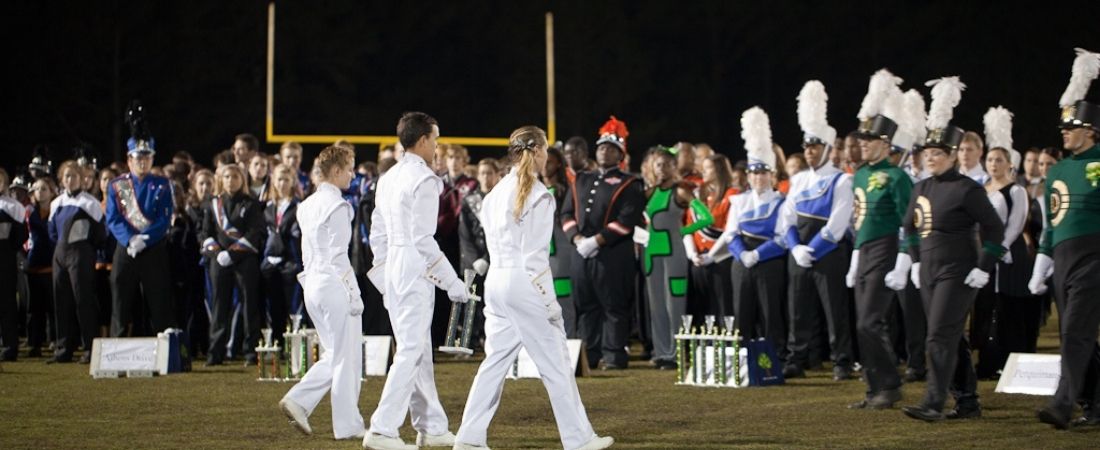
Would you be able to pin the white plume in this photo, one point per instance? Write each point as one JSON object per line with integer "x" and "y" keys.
{"x": 946, "y": 93}
{"x": 998, "y": 132}
{"x": 877, "y": 91}
{"x": 914, "y": 117}
{"x": 1085, "y": 69}
{"x": 757, "y": 133}
{"x": 813, "y": 112}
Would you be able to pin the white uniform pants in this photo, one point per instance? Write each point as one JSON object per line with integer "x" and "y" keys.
{"x": 341, "y": 364}
{"x": 410, "y": 384}
{"x": 518, "y": 314}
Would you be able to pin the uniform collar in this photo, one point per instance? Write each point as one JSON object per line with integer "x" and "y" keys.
{"x": 329, "y": 187}
{"x": 884, "y": 164}
{"x": 1091, "y": 153}
{"x": 976, "y": 172}
{"x": 412, "y": 158}
{"x": 950, "y": 174}
{"x": 825, "y": 170}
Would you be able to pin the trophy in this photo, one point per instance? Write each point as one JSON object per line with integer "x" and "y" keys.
{"x": 460, "y": 324}
{"x": 267, "y": 358}
{"x": 296, "y": 320}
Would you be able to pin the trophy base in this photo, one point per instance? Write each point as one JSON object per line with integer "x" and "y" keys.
{"x": 456, "y": 350}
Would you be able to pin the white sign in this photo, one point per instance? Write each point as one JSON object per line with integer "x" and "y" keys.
{"x": 1030, "y": 373}
{"x": 124, "y": 354}
{"x": 376, "y": 355}
{"x": 524, "y": 367}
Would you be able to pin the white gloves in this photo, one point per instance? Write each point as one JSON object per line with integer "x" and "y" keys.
{"x": 704, "y": 259}
{"x": 853, "y": 267}
{"x": 481, "y": 266}
{"x": 224, "y": 259}
{"x": 897, "y": 279}
{"x": 803, "y": 256}
{"x": 457, "y": 291}
{"x": 641, "y": 236}
{"x": 377, "y": 277}
{"x": 749, "y": 258}
{"x": 977, "y": 278}
{"x": 588, "y": 247}
{"x": 356, "y": 307}
{"x": 1044, "y": 268}
{"x": 136, "y": 244}
{"x": 1007, "y": 258}
{"x": 914, "y": 275}
{"x": 274, "y": 260}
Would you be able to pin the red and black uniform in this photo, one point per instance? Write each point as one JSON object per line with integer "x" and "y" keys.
{"x": 609, "y": 203}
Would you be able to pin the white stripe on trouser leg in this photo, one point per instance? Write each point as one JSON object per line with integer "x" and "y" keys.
{"x": 410, "y": 384}
{"x": 515, "y": 315}
{"x": 341, "y": 364}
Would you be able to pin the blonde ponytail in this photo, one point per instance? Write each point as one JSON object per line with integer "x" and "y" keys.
{"x": 523, "y": 144}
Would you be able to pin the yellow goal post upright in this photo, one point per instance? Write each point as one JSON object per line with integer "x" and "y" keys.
{"x": 473, "y": 141}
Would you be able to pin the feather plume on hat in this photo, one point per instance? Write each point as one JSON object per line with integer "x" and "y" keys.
{"x": 813, "y": 112}
{"x": 998, "y": 132}
{"x": 914, "y": 115}
{"x": 757, "y": 133}
{"x": 946, "y": 93}
{"x": 1086, "y": 67}
{"x": 878, "y": 89}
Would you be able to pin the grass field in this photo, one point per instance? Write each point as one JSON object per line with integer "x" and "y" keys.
{"x": 60, "y": 406}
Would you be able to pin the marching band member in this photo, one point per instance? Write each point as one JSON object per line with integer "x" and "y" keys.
{"x": 665, "y": 263}
{"x": 711, "y": 262}
{"x": 756, "y": 241}
{"x": 407, "y": 264}
{"x": 520, "y": 306}
{"x": 1013, "y": 313}
{"x": 947, "y": 266}
{"x": 555, "y": 176}
{"x": 139, "y": 211}
{"x": 1070, "y": 244}
{"x": 233, "y": 227}
{"x": 816, "y": 218}
{"x": 881, "y": 195}
{"x": 13, "y": 232}
{"x": 599, "y": 216}
{"x": 282, "y": 256}
{"x": 76, "y": 230}
{"x": 331, "y": 296}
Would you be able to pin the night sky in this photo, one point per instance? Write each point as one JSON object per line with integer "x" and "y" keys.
{"x": 671, "y": 70}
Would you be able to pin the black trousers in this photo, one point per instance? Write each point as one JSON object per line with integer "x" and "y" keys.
{"x": 758, "y": 296}
{"x": 1075, "y": 286}
{"x": 244, "y": 274}
{"x": 947, "y": 301}
{"x": 280, "y": 291}
{"x": 149, "y": 271}
{"x": 103, "y": 295}
{"x": 819, "y": 288}
{"x": 873, "y": 304}
{"x": 40, "y": 317}
{"x": 74, "y": 296}
{"x": 915, "y": 324}
{"x": 9, "y": 309}
{"x": 1015, "y": 328}
{"x": 711, "y": 284}
{"x": 602, "y": 286}
{"x": 376, "y": 319}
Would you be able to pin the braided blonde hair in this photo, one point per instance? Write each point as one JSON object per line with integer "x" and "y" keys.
{"x": 522, "y": 145}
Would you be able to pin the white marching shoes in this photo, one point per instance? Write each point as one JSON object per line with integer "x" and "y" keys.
{"x": 598, "y": 443}
{"x": 461, "y": 446}
{"x": 297, "y": 415}
{"x": 435, "y": 440}
{"x": 375, "y": 441}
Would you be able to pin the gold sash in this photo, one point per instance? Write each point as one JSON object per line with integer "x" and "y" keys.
{"x": 128, "y": 203}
